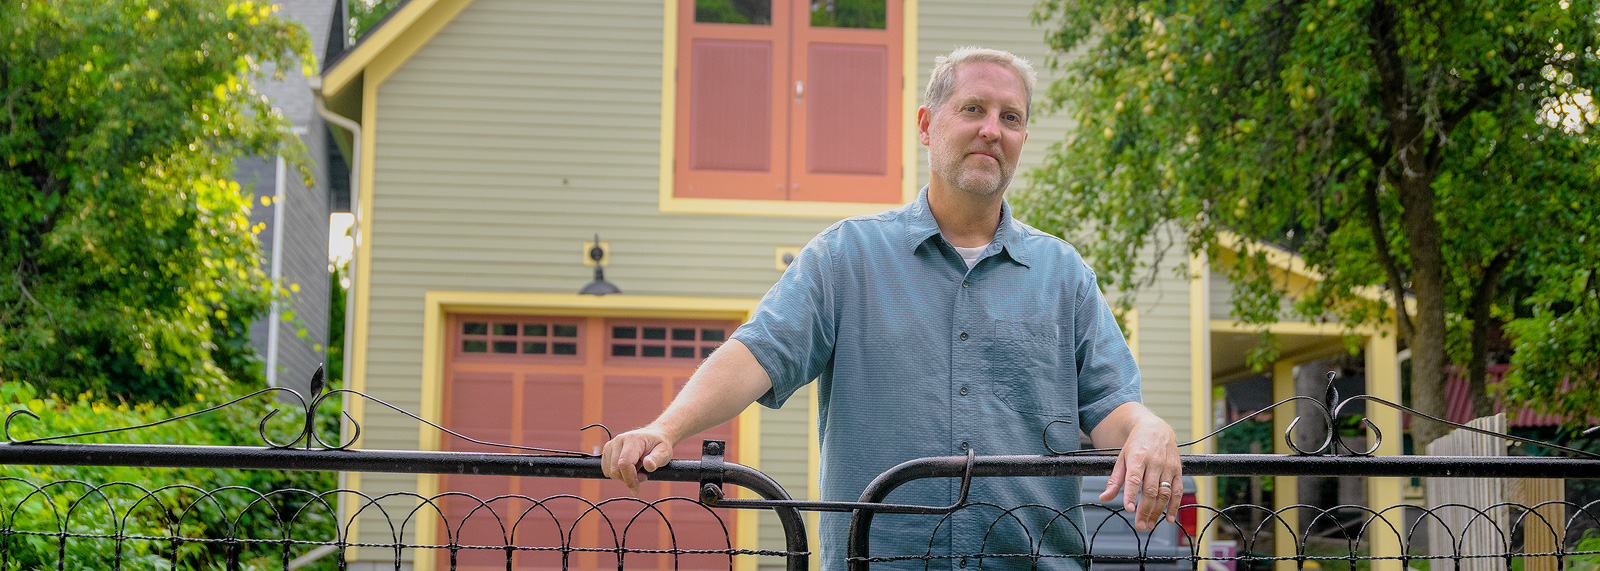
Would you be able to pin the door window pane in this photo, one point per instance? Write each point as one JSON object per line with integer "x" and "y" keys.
{"x": 757, "y": 12}
{"x": 872, "y": 14}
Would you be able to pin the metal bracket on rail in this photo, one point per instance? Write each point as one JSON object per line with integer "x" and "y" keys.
{"x": 711, "y": 452}
{"x": 711, "y": 495}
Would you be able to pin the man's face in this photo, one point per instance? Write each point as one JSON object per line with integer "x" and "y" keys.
{"x": 975, "y": 137}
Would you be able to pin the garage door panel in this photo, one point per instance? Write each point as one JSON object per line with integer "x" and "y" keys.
{"x": 478, "y": 406}
{"x": 632, "y": 401}
{"x": 621, "y": 373}
{"x": 552, "y": 409}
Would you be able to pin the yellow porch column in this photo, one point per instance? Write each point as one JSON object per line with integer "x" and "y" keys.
{"x": 1200, "y": 378}
{"x": 1284, "y": 488}
{"x": 1383, "y": 381}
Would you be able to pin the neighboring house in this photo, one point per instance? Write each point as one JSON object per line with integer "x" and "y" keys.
{"x": 494, "y": 139}
{"x": 292, "y": 212}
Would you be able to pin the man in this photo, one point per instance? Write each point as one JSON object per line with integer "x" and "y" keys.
{"x": 933, "y": 328}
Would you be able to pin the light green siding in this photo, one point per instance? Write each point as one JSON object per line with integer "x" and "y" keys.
{"x": 523, "y": 128}
{"x": 511, "y": 138}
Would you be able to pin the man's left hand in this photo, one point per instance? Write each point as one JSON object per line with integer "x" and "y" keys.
{"x": 1147, "y": 470}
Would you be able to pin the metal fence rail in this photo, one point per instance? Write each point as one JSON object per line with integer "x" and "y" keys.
{"x": 104, "y": 518}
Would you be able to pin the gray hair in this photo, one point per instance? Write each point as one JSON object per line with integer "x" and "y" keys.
{"x": 943, "y": 80}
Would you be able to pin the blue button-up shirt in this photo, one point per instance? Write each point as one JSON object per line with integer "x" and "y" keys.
{"x": 916, "y": 355}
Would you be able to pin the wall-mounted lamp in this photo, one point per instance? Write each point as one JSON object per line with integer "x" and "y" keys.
{"x": 597, "y": 253}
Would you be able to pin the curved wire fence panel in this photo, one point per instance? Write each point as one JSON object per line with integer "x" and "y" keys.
{"x": 80, "y": 525}
{"x": 77, "y": 523}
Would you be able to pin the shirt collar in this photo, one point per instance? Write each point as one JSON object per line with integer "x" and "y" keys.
{"x": 920, "y": 227}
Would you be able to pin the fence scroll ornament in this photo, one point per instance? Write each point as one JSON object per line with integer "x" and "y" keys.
{"x": 122, "y": 525}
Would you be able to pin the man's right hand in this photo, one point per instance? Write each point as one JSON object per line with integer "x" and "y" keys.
{"x": 627, "y": 457}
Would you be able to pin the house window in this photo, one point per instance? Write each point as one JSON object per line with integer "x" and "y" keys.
{"x": 646, "y": 342}
{"x": 789, "y": 100}
{"x": 508, "y": 337}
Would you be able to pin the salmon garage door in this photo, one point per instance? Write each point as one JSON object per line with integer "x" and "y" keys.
{"x": 535, "y": 381}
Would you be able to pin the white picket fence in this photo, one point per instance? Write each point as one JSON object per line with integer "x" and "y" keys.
{"x": 1476, "y": 527}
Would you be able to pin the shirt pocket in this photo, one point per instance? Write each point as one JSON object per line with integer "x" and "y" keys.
{"x": 1028, "y": 375}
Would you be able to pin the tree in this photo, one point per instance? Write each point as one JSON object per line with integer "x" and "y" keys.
{"x": 364, "y": 14}
{"x": 129, "y": 265}
{"x": 1439, "y": 150}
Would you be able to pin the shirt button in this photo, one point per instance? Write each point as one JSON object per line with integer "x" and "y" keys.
{"x": 963, "y": 336}
{"x": 964, "y": 445}
{"x": 963, "y": 391}
{"x": 965, "y": 283}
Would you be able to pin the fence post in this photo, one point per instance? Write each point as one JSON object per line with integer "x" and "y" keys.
{"x": 1542, "y": 528}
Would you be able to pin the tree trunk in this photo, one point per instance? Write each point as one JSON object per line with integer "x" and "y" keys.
{"x": 1482, "y": 301}
{"x": 1428, "y": 359}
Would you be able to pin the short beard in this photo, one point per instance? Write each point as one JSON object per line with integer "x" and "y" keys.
{"x": 951, "y": 173}
{"x": 985, "y": 191}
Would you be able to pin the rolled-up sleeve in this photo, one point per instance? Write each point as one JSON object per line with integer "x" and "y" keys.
{"x": 793, "y": 329}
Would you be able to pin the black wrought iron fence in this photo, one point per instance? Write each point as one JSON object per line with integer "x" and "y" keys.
{"x": 72, "y": 524}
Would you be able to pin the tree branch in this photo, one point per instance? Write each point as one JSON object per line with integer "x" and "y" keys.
{"x": 24, "y": 288}
{"x": 1380, "y": 245}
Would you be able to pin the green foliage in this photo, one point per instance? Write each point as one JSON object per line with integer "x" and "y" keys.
{"x": 334, "y": 360}
{"x": 1555, "y": 363}
{"x": 1429, "y": 148}
{"x": 1589, "y": 561}
{"x": 364, "y": 14}
{"x": 719, "y": 11}
{"x": 107, "y": 500}
{"x": 127, "y": 261}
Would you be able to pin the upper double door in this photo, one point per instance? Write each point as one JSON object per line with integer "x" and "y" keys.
{"x": 789, "y": 100}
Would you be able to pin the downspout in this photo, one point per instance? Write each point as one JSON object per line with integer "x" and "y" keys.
{"x": 355, "y": 212}
{"x": 276, "y": 314}
{"x": 355, "y": 237}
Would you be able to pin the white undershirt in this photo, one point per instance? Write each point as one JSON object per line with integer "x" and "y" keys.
{"x": 969, "y": 255}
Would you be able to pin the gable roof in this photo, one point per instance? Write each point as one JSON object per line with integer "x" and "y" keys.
{"x": 406, "y": 28}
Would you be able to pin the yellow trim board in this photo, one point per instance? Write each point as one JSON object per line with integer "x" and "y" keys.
{"x": 1294, "y": 264}
{"x": 361, "y": 207}
{"x": 438, "y": 304}
{"x": 797, "y": 208}
{"x": 1292, "y": 328}
{"x": 1200, "y": 376}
